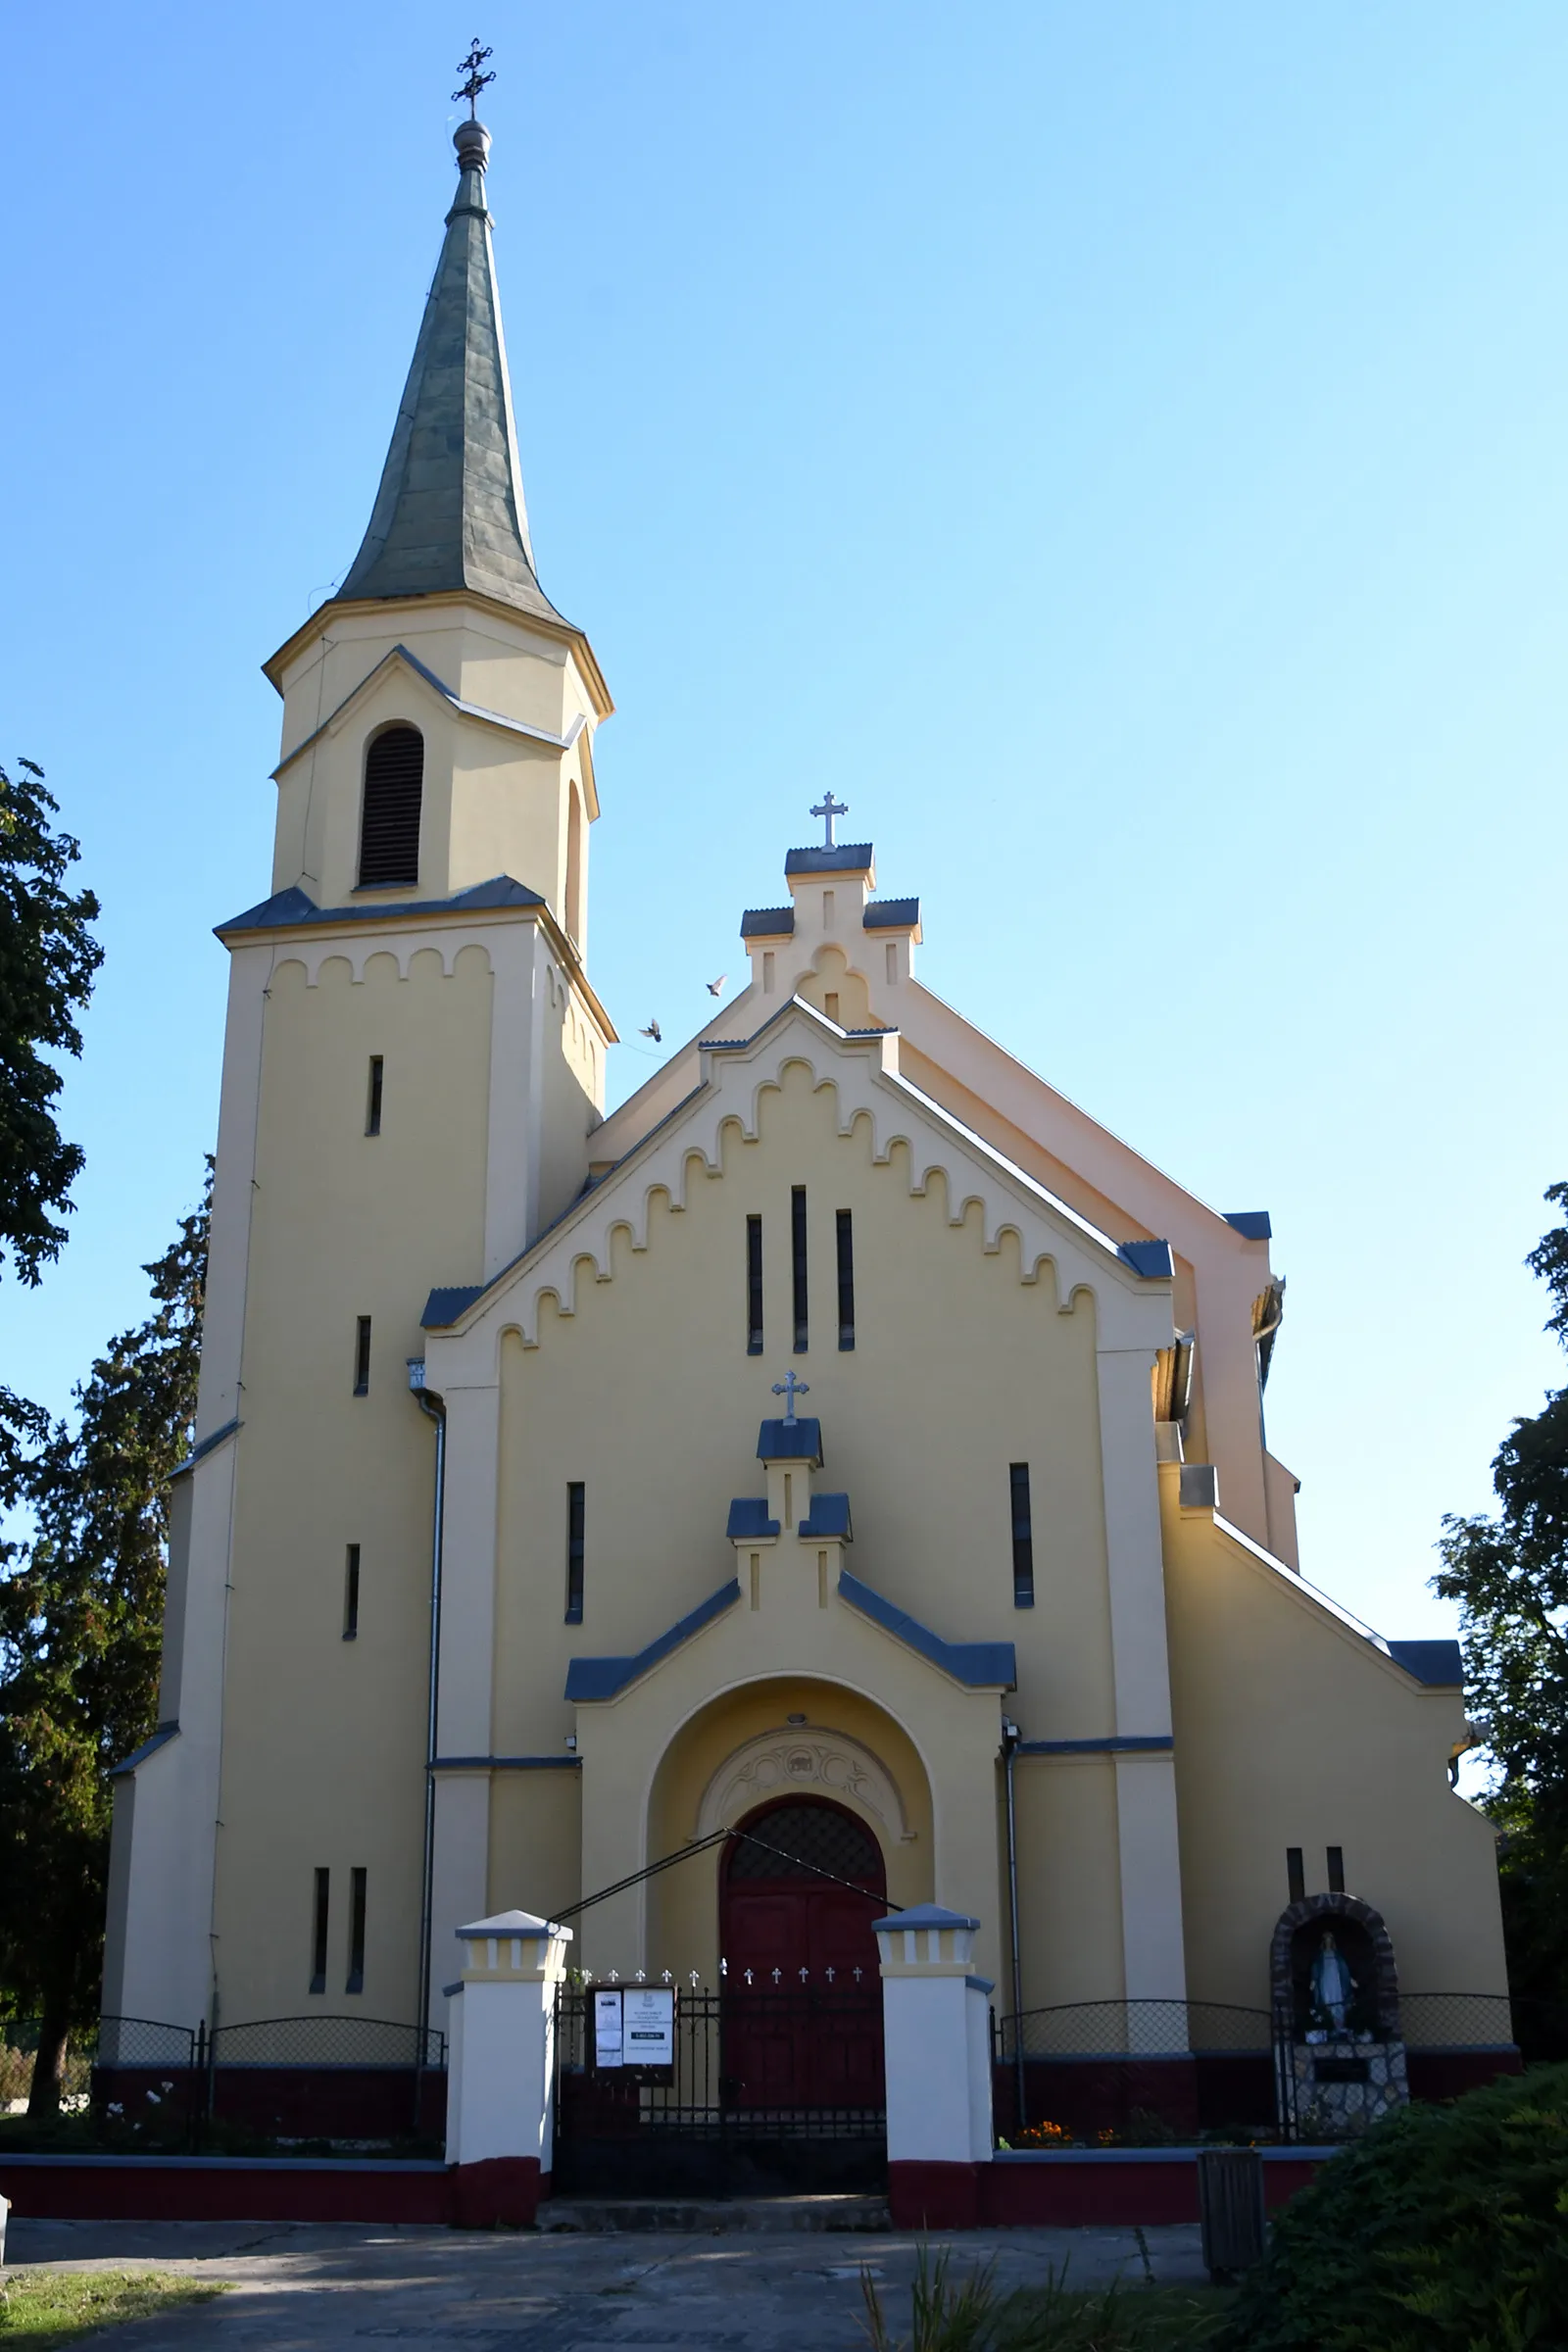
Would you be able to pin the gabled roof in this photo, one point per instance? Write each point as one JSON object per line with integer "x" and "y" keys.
{"x": 400, "y": 658}
{"x": 450, "y": 512}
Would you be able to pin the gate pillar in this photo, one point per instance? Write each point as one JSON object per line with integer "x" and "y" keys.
{"x": 937, "y": 2036}
{"x": 500, "y": 2067}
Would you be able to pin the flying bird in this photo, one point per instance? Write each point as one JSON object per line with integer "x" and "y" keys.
{"x": 715, "y": 988}
{"x": 654, "y": 1031}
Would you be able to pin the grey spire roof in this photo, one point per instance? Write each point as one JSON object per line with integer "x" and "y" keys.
{"x": 450, "y": 512}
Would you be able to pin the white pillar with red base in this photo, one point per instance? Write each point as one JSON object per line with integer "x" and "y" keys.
{"x": 500, "y": 2067}
{"x": 937, "y": 2045}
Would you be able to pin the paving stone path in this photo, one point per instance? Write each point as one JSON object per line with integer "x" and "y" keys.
{"x": 313, "y": 2290}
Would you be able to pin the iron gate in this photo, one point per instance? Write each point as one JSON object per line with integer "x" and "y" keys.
{"x": 772, "y": 2090}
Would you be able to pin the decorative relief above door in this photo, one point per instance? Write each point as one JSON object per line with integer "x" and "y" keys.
{"x": 828, "y": 1762}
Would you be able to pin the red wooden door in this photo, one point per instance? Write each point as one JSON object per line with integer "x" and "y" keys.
{"x": 803, "y": 1994}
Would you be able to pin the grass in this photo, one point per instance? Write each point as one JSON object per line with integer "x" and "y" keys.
{"x": 39, "y": 2309}
{"x": 969, "y": 2314}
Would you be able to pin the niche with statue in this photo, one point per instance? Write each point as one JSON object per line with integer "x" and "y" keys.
{"x": 1335, "y": 1989}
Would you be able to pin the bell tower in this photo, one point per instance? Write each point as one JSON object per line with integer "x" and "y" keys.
{"x": 414, "y": 1062}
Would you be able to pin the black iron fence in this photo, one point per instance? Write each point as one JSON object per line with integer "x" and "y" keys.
{"x": 766, "y": 2088}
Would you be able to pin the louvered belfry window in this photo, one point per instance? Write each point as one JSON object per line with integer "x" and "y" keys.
{"x": 389, "y": 825}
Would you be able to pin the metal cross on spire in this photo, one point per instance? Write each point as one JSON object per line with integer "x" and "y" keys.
{"x": 475, "y": 80}
{"x": 789, "y": 1388}
{"x": 827, "y": 809}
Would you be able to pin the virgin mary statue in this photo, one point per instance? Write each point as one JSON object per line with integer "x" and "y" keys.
{"x": 1333, "y": 1986}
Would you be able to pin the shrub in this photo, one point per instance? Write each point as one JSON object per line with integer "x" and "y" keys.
{"x": 1444, "y": 2230}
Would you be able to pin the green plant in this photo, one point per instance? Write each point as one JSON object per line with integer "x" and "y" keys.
{"x": 970, "y": 2315}
{"x": 1444, "y": 2230}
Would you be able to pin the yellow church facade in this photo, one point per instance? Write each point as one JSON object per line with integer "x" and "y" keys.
{"x": 846, "y": 1432}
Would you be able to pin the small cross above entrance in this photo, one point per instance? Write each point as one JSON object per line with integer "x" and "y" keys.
{"x": 789, "y": 1388}
{"x": 827, "y": 809}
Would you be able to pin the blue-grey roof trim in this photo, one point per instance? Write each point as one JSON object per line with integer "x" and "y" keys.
{"x": 292, "y": 909}
{"x": 767, "y": 923}
{"x": 749, "y": 1521}
{"x": 589, "y": 1679}
{"x": 925, "y": 1915}
{"x": 507, "y": 1764}
{"x": 830, "y": 1517}
{"x": 447, "y": 1303}
{"x": 1151, "y": 1260}
{"x": 200, "y": 1453}
{"x": 892, "y": 914}
{"x": 1252, "y": 1224}
{"x": 1440, "y": 1664}
{"x": 979, "y": 1664}
{"x": 1159, "y": 1744}
{"x": 797, "y": 1440}
{"x": 844, "y": 858}
{"x": 138, "y": 1755}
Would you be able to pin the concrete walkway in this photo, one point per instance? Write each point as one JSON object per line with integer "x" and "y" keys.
{"x": 307, "y": 2289}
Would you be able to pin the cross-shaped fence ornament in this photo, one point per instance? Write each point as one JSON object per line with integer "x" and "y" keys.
{"x": 694, "y": 1980}
{"x": 827, "y": 807}
{"x": 668, "y": 1979}
{"x": 615, "y": 1976}
{"x": 474, "y": 80}
{"x": 805, "y": 1973}
{"x": 747, "y": 1974}
{"x": 642, "y": 1976}
{"x": 777, "y": 1973}
{"x": 857, "y": 1976}
{"x": 830, "y": 1974}
{"x": 789, "y": 1388}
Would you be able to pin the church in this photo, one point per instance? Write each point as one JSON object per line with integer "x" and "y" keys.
{"x": 570, "y": 1488}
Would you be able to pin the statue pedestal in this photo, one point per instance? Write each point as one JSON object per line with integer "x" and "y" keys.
{"x": 1341, "y": 2084}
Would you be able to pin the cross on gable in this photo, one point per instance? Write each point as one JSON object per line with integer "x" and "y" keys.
{"x": 827, "y": 809}
{"x": 789, "y": 1388}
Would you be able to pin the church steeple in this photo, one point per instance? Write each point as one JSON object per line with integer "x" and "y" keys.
{"x": 450, "y": 513}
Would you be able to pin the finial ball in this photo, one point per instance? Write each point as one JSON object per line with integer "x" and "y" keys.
{"x": 473, "y": 143}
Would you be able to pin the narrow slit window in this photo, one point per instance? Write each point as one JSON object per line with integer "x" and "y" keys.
{"x": 318, "y": 1922}
{"x": 576, "y": 1516}
{"x": 830, "y": 1005}
{"x": 389, "y": 819}
{"x": 845, "y": 1241}
{"x": 372, "y": 1100}
{"x": 1023, "y": 1537}
{"x": 754, "y": 1286}
{"x": 356, "y": 1975}
{"x": 1335, "y": 1862}
{"x": 361, "y": 1356}
{"x": 797, "y": 1255}
{"x": 1295, "y": 1875}
{"x": 351, "y": 1592}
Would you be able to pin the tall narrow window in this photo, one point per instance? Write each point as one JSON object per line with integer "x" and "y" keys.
{"x": 1023, "y": 1537}
{"x": 576, "y": 1515}
{"x": 351, "y": 1592}
{"x": 798, "y": 1257}
{"x": 389, "y": 821}
{"x": 754, "y": 1286}
{"x": 846, "y": 1226}
{"x": 1295, "y": 1875}
{"x": 372, "y": 1100}
{"x": 318, "y": 1920}
{"x": 356, "y": 1975}
{"x": 1335, "y": 1862}
{"x": 361, "y": 1356}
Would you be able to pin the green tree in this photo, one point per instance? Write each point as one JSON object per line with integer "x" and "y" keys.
{"x": 1509, "y": 1575}
{"x": 81, "y": 1621}
{"x": 48, "y": 957}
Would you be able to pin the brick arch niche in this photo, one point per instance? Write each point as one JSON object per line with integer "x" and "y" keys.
{"x": 1368, "y": 1941}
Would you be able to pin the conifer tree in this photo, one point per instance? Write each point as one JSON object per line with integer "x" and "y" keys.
{"x": 80, "y": 1624}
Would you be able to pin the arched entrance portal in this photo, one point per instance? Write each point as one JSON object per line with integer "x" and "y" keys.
{"x": 798, "y": 1895}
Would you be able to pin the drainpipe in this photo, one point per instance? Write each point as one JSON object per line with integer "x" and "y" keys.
{"x": 1010, "y": 1748}
{"x": 435, "y": 1408}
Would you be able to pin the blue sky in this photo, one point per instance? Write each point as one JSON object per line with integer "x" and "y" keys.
{"x": 1120, "y": 450}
